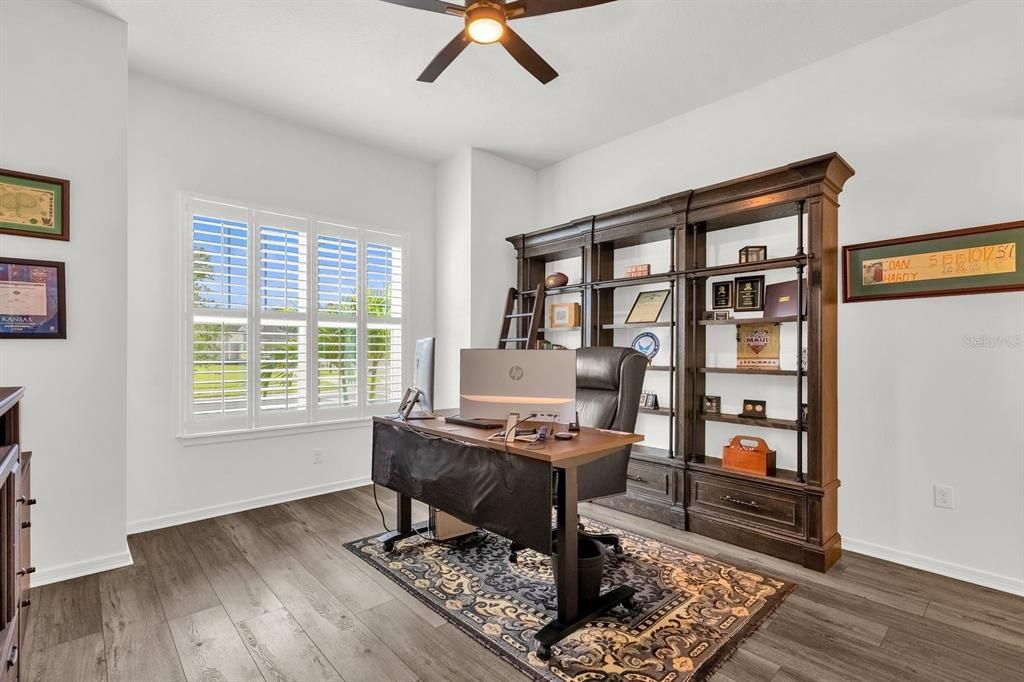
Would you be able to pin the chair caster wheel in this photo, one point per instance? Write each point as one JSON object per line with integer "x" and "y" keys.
{"x": 389, "y": 546}
{"x": 544, "y": 652}
{"x": 617, "y": 549}
{"x": 513, "y": 558}
{"x": 580, "y": 526}
{"x": 627, "y": 603}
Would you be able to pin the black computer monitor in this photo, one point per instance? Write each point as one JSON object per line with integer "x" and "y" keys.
{"x": 423, "y": 373}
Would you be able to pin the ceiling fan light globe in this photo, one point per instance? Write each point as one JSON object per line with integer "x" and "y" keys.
{"x": 485, "y": 30}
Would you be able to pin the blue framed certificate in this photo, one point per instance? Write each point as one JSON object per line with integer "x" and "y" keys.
{"x": 32, "y": 304}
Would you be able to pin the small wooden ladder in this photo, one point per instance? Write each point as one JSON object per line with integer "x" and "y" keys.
{"x": 534, "y": 317}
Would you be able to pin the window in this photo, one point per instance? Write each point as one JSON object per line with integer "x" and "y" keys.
{"x": 290, "y": 320}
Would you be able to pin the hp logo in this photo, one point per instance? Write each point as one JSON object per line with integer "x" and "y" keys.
{"x": 515, "y": 373}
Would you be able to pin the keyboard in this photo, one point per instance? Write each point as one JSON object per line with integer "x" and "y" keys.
{"x": 474, "y": 423}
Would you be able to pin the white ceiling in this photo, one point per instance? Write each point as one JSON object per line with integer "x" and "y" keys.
{"x": 349, "y": 67}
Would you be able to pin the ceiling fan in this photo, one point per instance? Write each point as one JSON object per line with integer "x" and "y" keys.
{"x": 487, "y": 22}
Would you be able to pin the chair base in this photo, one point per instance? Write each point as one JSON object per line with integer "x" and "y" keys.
{"x": 607, "y": 539}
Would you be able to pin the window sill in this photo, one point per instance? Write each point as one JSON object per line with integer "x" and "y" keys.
{"x": 194, "y": 439}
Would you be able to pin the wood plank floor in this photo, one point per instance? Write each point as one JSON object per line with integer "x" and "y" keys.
{"x": 272, "y": 594}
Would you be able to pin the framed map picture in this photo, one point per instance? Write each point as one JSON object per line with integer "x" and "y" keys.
{"x": 970, "y": 261}
{"x": 32, "y": 299}
{"x": 34, "y": 205}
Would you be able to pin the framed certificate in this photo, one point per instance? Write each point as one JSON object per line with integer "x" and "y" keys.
{"x": 647, "y": 306}
{"x": 32, "y": 299}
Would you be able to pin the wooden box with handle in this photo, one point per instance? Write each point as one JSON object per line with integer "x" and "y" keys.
{"x": 750, "y": 455}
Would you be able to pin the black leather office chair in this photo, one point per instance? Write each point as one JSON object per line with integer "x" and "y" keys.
{"x": 608, "y": 386}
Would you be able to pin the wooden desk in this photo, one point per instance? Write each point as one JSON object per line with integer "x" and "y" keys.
{"x": 563, "y": 458}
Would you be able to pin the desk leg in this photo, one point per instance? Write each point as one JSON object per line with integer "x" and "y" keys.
{"x": 567, "y": 546}
{"x": 404, "y": 528}
{"x": 571, "y": 614}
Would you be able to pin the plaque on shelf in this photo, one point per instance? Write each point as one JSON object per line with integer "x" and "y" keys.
{"x": 649, "y": 400}
{"x": 564, "y": 315}
{"x": 642, "y": 270}
{"x": 647, "y": 343}
{"x": 721, "y": 295}
{"x": 712, "y": 404}
{"x": 749, "y": 293}
{"x": 753, "y": 254}
{"x": 722, "y": 315}
{"x": 757, "y": 345}
{"x": 647, "y": 306}
{"x": 780, "y": 299}
{"x": 754, "y": 409}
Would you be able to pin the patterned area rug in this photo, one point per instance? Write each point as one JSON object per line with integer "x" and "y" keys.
{"x": 690, "y": 612}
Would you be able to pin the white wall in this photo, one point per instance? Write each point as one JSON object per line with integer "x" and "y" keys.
{"x": 452, "y": 256}
{"x": 63, "y": 79}
{"x": 180, "y": 141}
{"x": 932, "y": 119}
{"x": 481, "y": 199}
{"x": 504, "y": 196}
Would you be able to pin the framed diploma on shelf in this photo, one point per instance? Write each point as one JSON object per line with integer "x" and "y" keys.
{"x": 32, "y": 299}
{"x": 647, "y": 307}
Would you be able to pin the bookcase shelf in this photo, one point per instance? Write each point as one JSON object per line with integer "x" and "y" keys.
{"x": 765, "y": 423}
{"x": 793, "y": 514}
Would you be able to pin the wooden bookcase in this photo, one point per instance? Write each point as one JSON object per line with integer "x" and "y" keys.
{"x": 792, "y": 514}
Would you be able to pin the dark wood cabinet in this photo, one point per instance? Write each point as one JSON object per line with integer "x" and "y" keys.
{"x": 15, "y": 531}
{"x": 792, "y": 514}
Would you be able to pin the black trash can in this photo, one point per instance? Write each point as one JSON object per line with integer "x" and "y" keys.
{"x": 591, "y": 554}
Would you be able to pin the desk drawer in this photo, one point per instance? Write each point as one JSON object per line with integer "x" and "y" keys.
{"x": 749, "y": 503}
{"x": 651, "y": 481}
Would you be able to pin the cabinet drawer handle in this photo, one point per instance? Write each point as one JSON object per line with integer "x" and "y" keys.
{"x": 743, "y": 503}
{"x": 634, "y": 477}
{"x": 26, "y": 524}
{"x": 13, "y": 659}
{"x": 27, "y": 500}
{"x": 26, "y": 602}
{"x": 26, "y": 571}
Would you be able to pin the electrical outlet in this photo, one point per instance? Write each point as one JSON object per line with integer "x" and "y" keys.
{"x": 318, "y": 456}
{"x": 943, "y": 496}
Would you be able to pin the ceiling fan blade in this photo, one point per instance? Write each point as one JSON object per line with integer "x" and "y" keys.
{"x": 431, "y": 6}
{"x": 445, "y": 57}
{"x": 525, "y": 55}
{"x": 532, "y": 8}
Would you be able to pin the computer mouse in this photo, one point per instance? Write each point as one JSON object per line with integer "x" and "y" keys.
{"x": 564, "y": 435}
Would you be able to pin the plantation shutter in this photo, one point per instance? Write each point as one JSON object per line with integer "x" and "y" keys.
{"x": 218, "y": 330}
{"x": 282, "y": 290}
{"x": 337, "y": 319}
{"x": 382, "y": 258}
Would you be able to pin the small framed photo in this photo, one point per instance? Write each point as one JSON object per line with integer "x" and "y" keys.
{"x": 564, "y": 315}
{"x": 753, "y": 254}
{"x": 647, "y": 306}
{"x": 712, "y": 404}
{"x": 754, "y": 409}
{"x": 34, "y": 205}
{"x": 721, "y": 295}
{"x": 749, "y": 293}
{"x": 32, "y": 303}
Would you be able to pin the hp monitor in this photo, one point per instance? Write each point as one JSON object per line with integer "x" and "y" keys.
{"x": 495, "y": 383}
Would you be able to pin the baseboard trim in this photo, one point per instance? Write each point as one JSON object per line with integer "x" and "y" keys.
{"x": 155, "y": 522}
{"x": 1003, "y": 583}
{"x": 79, "y": 568}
